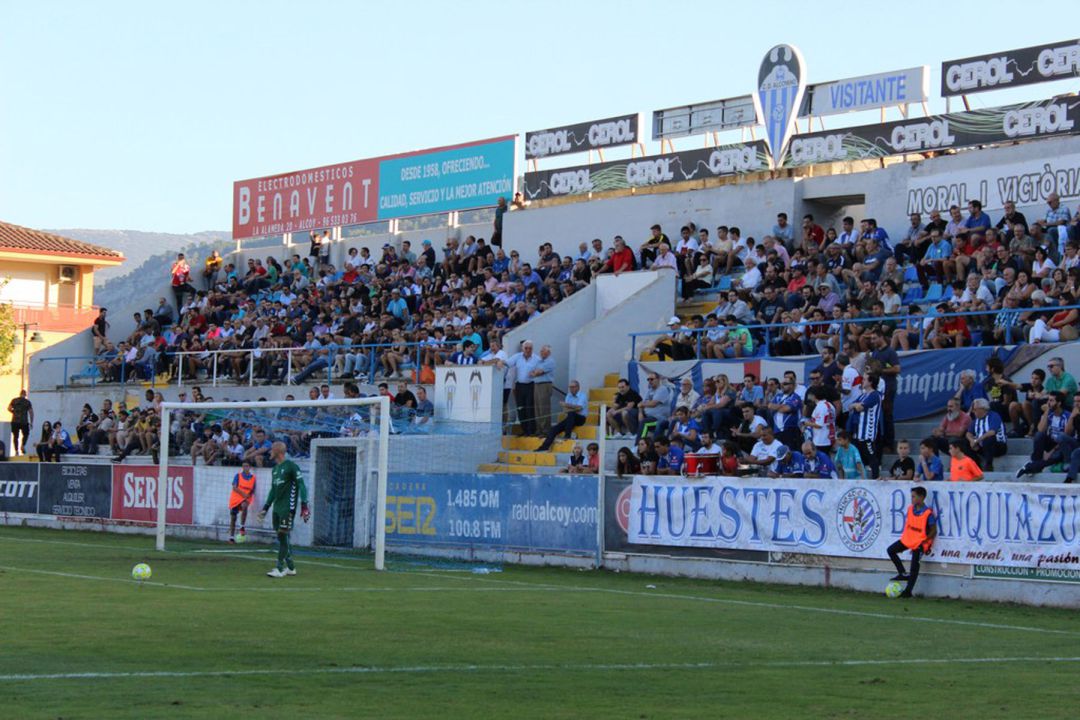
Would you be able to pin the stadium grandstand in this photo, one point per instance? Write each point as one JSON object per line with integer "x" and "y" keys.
{"x": 818, "y": 306}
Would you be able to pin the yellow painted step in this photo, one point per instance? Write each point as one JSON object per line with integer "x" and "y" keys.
{"x": 586, "y": 432}
{"x": 511, "y": 457}
{"x": 497, "y": 468}
{"x": 604, "y": 394}
{"x": 649, "y": 357}
{"x": 611, "y": 380}
{"x": 531, "y": 443}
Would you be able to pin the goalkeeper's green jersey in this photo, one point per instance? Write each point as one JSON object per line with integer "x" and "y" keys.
{"x": 287, "y": 488}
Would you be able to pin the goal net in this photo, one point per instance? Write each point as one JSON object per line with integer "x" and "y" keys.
{"x": 215, "y": 472}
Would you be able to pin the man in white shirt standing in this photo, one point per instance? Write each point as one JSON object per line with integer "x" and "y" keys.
{"x": 822, "y": 422}
{"x": 850, "y": 380}
{"x": 496, "y": 356}
{"x": 521, "y": 367}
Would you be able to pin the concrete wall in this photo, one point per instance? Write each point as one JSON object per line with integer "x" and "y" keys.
{"x": 751, "y": 207}
{"x": 554, "y": 328}
{"x": 637, "y": 301}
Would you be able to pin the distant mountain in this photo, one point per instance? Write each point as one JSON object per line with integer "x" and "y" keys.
{"x": 148, "y": 257}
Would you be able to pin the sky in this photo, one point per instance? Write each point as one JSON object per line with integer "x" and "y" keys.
{"x": 140, "y": 115}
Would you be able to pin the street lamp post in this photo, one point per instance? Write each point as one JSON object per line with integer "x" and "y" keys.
{"x": 36, "y": 339}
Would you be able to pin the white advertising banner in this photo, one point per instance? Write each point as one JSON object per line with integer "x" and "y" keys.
{"x": 1024, "y": 183}
{"x": 867, "y": 92}
{"x": 468, "y": 393}
{"x": 1000, "y": 524}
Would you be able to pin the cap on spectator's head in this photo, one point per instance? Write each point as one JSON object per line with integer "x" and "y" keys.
{"x": 385, "y": 245}
{"x": 674, "y": 320}
{"x": 426, "y": 242}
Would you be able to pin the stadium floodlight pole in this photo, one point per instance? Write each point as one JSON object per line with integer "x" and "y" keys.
{"x": 384, "y": 455}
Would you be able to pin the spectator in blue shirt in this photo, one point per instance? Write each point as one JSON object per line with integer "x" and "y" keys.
{"x": 425, "y": 411}
{"x": 929, "y": 468}
{"x": 817, "y": 463}
{"x": 783, "y": 231}
{"x": 397, "y": 306}
{"x": 933, "y": 262}
{"x": 529, "y": 276}
{"x": 751, "y": 392}
{"x": 671, "y": 457}
{"x": 575, "y": 405}
{"x": 969, "y": 391}
{"x": 786, "y": 408}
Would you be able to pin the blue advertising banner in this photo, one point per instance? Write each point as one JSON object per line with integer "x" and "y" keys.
{"x": 19, "y": 488}
{"x": 528, "y": 513}
{"x": 998, "y": 524}
{"x": 457, "y": 178}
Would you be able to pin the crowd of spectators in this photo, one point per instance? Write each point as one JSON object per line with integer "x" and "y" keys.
{"x": 816, "y": 285}
{"x": 394, "y": 316}
{"x": 836, "y": 424}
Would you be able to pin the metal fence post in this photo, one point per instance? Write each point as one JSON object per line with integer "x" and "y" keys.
{"x": 213, "y": 380}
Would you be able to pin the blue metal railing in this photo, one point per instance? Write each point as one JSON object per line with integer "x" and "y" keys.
{"x": 373, "y": 351}
{"x": 769, "y": 328}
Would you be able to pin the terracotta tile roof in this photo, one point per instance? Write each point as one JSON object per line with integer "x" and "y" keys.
{"x": 16, "y": 237}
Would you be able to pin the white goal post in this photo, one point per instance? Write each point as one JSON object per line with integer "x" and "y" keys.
{"x": 382, "y": 453}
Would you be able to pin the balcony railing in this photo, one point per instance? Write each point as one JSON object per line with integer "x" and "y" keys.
{"x": 55, "y": 318}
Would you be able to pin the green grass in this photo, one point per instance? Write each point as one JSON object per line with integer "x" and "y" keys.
{"x": 340, "y": 640}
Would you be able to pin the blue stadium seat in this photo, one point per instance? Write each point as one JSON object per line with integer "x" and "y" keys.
{"x": 725, "y": 283}
{"x": 911, "y": 275}
{"x": 933, "y": 295}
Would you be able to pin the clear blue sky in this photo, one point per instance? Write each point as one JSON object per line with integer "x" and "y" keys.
{"x": 139, "y": 115}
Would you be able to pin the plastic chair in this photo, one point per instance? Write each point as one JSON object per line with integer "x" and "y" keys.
{"x": 911, "y": 274}
{"x": 725, "y": 283}
{"x": 933, "y": 295}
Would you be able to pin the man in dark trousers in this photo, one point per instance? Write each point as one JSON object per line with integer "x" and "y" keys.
{"x": 22, "y": 417}
{"x": 920, "y": 529}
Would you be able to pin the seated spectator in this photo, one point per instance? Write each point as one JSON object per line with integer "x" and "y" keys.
{"x": 903, "y": 468}
{"x": 678, "y": 345}
{"x": 961, "y": 467}
{"x": 424, "y": 418}
{"x": 986, "y": 437}
{"x": 954, "y": 425}
{"x": 671, "y": 456}
{"x": 655, "y": 405}
{"x": 577, "y": 460}
{"x": 1053, "y": 443}
{"x": 622, "y": 415}
{"x": 257, "y": 452}
{"x": 929, "y": 467}
{"x": 647, "y": 456}
{"x": 969, "y": 390}
{"x": 766, "y": 451}
{"x": 749, "y": 430}
{"x": 685, "y": 429}
{"x": 626, "y": 463}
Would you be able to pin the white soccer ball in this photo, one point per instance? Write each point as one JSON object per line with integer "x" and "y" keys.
{"x": 893, "y": 589}
{"x": 141, "y": 572}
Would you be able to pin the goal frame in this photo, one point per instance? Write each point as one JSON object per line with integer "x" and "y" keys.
{"x": 382, "y": 464}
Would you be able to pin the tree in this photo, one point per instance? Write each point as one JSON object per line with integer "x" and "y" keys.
{"x": 8, "y": 329}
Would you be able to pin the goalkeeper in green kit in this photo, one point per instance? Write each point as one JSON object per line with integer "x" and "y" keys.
{"x": 286, "y": 489}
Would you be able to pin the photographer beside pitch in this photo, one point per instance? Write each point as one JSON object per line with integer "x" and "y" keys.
{"x": 920, "y": 529}
{"x": 286, "y": 488}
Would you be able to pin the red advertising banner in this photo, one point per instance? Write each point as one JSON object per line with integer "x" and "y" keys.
{"x": 322, "y": 197}
{"x": 134, "y": 495}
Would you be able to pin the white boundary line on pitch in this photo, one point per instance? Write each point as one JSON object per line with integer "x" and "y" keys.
{"x": 612, "y": 591}
{"x": 99, "y": 578}
{"x": 576, "y": 667}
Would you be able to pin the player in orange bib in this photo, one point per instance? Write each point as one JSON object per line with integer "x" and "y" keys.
{"x": 920, "y": 529}
{"x": 241, "y": 497}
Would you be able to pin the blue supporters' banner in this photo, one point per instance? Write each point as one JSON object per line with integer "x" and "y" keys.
{"x": 521, "y": 513}
{"x": 999, "y": 524}
{"x": 455, "y": 178}
{"x": 19, "y": 487}
{"x": 928, "y": 378}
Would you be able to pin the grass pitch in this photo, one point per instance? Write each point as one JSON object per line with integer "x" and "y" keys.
{"x": 211, "y": 636}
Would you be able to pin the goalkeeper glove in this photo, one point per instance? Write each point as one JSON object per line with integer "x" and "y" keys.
{"x": 305, "y": 512}
{"x": 262, "y": 514}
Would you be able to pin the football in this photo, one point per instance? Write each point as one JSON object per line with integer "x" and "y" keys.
{"x": 893, "y": 589}
{"x": 141, "y": 572}
{"x": 241, "y": 538}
